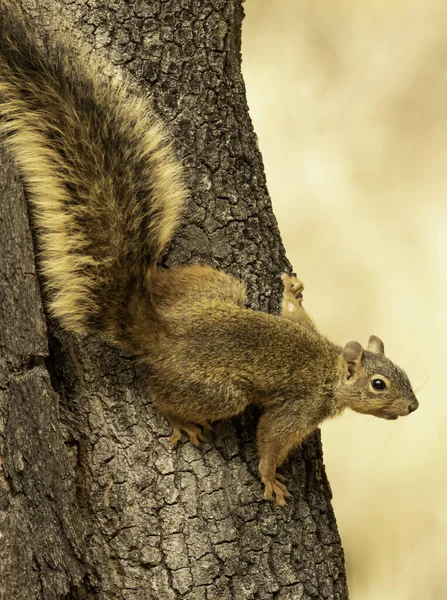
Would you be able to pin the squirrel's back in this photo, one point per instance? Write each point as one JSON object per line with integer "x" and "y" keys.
{"x": 104, "y": 183}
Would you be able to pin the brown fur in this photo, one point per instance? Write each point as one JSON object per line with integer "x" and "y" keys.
{"x": 218, "y": 357}
{"x": 106, "y": 193}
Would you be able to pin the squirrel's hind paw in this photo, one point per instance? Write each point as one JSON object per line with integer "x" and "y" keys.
{"x": 279, "y": 489}
{"x": 206, "y": 425}
{"x": 176, "y": 436}
{"x": 195, "y": 435}
{"x": 193, "y": 431}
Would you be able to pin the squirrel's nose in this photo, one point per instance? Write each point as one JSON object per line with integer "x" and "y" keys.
{"x": 413, "y": 406}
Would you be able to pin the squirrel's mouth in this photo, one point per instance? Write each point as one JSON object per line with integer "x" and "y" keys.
{"x": 391, "y": 417}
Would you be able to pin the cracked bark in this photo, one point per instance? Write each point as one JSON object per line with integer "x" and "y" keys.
{"x": 93, "y": 501}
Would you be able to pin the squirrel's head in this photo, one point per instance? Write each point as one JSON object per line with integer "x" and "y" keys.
{"x": 371, "y": 384}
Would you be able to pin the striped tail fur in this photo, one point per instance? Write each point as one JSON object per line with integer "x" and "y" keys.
{"x": 98, "y": 168}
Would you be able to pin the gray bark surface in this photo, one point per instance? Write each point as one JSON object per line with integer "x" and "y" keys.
{"x": 94, "y": 503}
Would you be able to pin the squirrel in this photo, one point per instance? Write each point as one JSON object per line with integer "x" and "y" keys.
{"x": 106, "y": 192}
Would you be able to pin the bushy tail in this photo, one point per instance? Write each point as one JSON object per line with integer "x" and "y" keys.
{"x": 104, "y": 183}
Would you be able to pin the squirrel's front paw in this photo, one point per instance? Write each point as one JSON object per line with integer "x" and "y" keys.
{"x": 293, "y": 286}
{"x": 279, "y": 489}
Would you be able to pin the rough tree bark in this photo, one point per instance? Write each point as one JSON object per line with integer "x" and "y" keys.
{"x": 94, "y": 503}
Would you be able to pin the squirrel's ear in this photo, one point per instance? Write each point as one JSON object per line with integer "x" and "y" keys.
{"x": 353, "y": 355}
{"x": 375, "y": 345}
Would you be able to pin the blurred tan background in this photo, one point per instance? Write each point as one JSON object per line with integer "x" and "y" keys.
{"x": 349, "y": 100}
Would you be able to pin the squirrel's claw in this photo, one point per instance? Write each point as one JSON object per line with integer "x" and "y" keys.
{"x": 193, "y": 431}
{"x": 175, "y": 437}
{"x": 195, "y": 436}
{"x": 206, "y": 425}
{"x": 279, "y": 489}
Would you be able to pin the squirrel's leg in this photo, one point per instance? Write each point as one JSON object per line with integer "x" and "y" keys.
{"x": 292, "y": 304}
{"x": 194, "y": 284}
{"x": 191, "y": 429}
{"x": 178, "y": 422}
{"x": 277, "y": 435}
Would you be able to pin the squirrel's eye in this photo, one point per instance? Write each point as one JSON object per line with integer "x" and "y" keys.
{"x": 378, "y": 384}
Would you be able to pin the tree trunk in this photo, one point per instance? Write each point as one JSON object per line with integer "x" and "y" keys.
{"x": 94, "y": 503}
